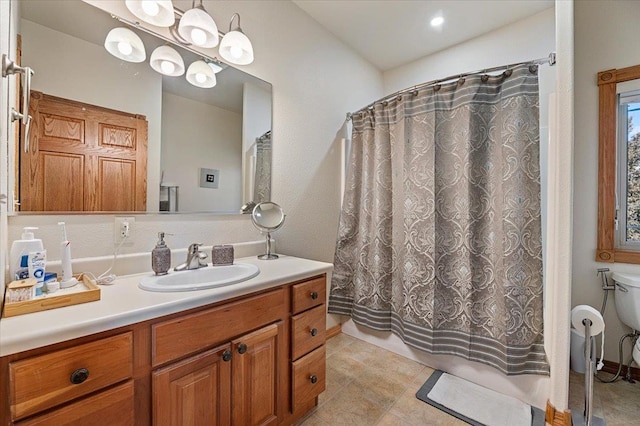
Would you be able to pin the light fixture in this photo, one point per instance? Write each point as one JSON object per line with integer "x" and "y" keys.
{"x": 125, "y": 44}
{"x": 437, "y": 21}
{"x": 214, "y": 67}
{"x": 200, "y": 74}
{"x": 155, "y": 12}
{"x": 166, "y": 60}
{"x": 235, "y": 46}
{"x": 197, "y": 27}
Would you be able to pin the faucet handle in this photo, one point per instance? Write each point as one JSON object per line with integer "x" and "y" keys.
{"x": 194, "y": 248}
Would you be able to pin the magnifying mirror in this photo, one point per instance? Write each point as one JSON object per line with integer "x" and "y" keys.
{"x": 268, "y": 217}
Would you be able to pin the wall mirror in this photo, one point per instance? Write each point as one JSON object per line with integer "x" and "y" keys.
{"x": 619, "y": 166}
{"x": 207, "y": 149}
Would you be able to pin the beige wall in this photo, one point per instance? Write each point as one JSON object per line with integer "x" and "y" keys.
{"x": 212, "y": 135}
{"x": 606, "y": 36}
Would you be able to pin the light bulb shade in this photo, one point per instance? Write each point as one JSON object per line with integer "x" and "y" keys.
{"x": 236, "y": 48}
{"x": 197, "y": 19}
{"x": 214, "y": 67}
{"x": 155, "y": 12}
{"x": 201, "y": 75}
{"x": 173, "y": 63}
{"x": 125, "y": 44}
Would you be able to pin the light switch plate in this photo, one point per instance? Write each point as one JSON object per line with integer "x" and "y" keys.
{"x": 209, "y": 178}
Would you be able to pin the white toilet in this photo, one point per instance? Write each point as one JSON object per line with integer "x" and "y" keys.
{"x": 628, "y": 304}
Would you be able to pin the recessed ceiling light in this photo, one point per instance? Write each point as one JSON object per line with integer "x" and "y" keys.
{"x": 437, "y": 21}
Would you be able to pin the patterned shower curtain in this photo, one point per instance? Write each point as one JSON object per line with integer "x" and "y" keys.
{"x": 262, "y": 179}
{"x": 440, "y": 236}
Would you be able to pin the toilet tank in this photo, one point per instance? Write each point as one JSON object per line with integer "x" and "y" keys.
{"x": 627, "y": 298}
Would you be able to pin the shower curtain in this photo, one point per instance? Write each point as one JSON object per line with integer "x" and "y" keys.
{"x": 440, "y": 237}
{"x": 262, "y": 186}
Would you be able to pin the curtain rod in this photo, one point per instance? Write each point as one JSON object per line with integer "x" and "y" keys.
{"x": 550, "y": 60}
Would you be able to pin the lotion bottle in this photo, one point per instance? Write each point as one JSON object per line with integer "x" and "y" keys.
{"x": 161, "y": 256}
{"x": 65, "y": 259}
{"x": 22, "y": 247}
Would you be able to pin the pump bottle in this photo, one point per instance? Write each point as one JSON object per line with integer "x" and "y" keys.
{"x": 22, "y": 247}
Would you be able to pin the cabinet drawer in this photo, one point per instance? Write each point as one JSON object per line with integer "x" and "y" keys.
{"x": 308, "y": 376}
{"x": 45, "y": 381}
{"x": 110, "y": 407}
{"x": 188, "y": 334}
{"x": 308, "y": 294}
{"x": 308, "y": 331}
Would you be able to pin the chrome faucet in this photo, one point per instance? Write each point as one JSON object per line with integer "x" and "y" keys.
{"x": 194, "y": 255}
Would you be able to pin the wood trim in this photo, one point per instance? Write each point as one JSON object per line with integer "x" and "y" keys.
{"x": 334, "y": 331}
{"x": 557, "y": 418}
{"x": 612, "y": 368}
{"x": 607, "y": 80}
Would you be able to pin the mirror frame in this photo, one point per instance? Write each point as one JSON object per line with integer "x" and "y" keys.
{"x": 606, "y": 250}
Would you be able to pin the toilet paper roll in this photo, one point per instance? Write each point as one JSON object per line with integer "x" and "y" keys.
{"x": 582, "y": 312}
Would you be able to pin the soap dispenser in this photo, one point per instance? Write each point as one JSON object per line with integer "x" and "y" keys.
{"x": 161, "y": 256}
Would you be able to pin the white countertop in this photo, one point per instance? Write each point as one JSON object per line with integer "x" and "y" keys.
{"x": 124, "y": 303}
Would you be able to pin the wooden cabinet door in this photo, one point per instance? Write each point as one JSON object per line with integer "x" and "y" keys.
{"x": 255, "y": 376}
{"x": 195, "y": 391}
{"x": 83, "y": 158}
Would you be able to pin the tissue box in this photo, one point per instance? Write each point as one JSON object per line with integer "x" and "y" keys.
{"x": 222, "y": 255}
{"x": 21, "y": 290}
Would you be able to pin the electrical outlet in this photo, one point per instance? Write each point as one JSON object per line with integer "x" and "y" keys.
{"x": 123, "y": 230}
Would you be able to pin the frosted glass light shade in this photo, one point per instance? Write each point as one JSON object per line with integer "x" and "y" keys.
{"x": 236, "y": 48}
{"x": 125, "y": 44}
{"x": 214, "y": 67}
{"x": 200, "y": 74}
{"x": 198, "y": 28}
{"x": 166, "y": 60}
{"x": 155, "y": 12}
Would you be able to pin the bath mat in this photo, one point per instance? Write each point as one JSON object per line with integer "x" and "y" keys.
{"x": 476, "y": 405}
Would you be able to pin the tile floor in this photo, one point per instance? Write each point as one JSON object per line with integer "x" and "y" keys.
{"x": 618, "y": 403}
{"x": 368, "y": 385}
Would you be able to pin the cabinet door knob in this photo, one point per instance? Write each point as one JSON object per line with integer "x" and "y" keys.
{"x": 314, "y": 295}
{"x": 313, "y": 379}
{"x": 314, "y": 331}
{"x": 79, "y": 376}
{"x": 242, "y": 348}
{"x": 226, "y": 355}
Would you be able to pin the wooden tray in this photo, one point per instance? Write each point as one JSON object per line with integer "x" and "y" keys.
{"x": 85, "y": 291}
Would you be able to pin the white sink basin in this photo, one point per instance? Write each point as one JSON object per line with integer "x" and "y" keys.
{"x": 200, "y": 279}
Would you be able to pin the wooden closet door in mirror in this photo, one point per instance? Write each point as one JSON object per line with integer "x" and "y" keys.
{"x": 83, "y": 158}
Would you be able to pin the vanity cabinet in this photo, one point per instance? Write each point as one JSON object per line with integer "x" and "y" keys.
{"x": 308, "y": 336}
{"x": 199, "y": 390}
{"x": 253, "y": 360}
{"x": 51, "y": 379}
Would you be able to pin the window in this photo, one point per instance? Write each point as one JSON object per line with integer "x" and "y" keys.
{"x": 628, "y": 176}
{"x": 618, "y": 205}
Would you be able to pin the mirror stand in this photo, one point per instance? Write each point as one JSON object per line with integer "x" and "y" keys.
{"x": 267, "y": 217}
{"x": 268, "y": 255}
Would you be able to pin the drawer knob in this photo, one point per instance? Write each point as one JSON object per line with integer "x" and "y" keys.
{"x": 314, "y": 332}
{"x": 226, "y": 355}
{"x": 314, "y": 295}
{"x": 79, "y": 376}
{"x": 313, "y": 379}
{"x": 242, "y": 348}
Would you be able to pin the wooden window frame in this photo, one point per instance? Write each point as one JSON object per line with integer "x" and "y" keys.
{"x": 606, "y": 250}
